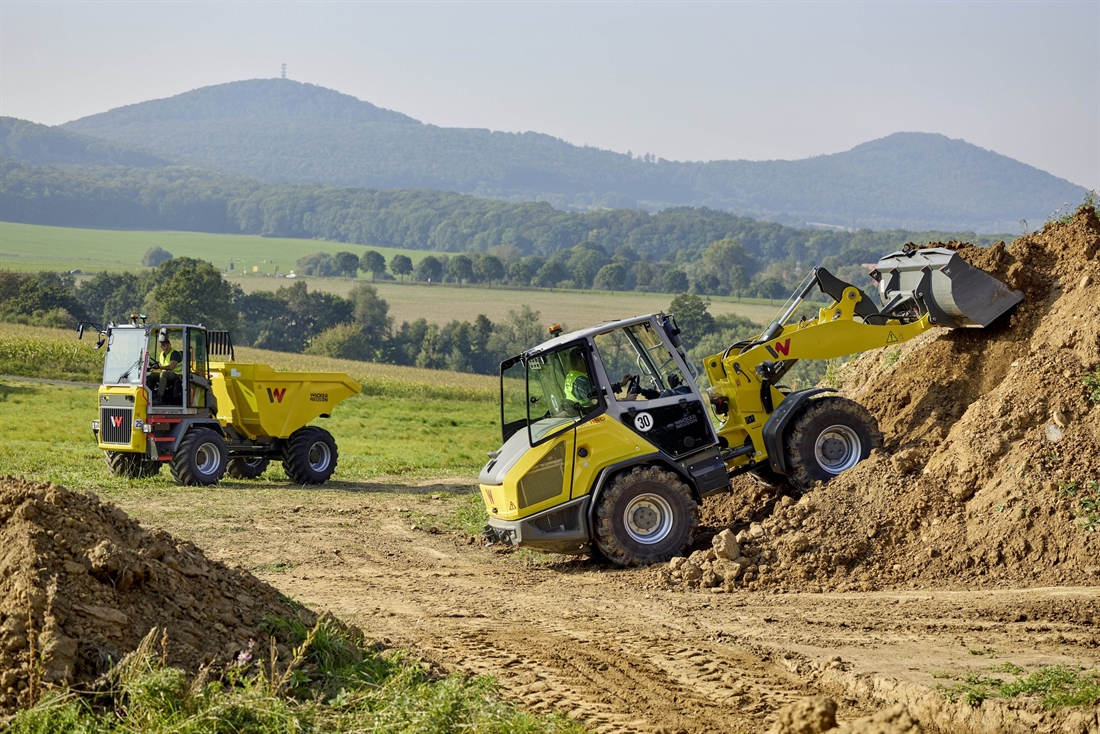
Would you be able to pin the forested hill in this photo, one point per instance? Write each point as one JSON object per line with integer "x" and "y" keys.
{"x": 33, "y": 143}
{"x": 279, "y": 130}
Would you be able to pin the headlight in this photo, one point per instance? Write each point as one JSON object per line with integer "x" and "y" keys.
{"x": 147, "y": 428}
{"x": 95, "y": 426}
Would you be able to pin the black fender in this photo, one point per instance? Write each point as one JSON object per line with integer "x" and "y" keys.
{"x": 656, "y": 459}
{"x": 777, "y": 422}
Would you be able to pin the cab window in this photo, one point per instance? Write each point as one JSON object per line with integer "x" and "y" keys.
{"x": 561, "y": 391}
{"x": 640, "y": 363}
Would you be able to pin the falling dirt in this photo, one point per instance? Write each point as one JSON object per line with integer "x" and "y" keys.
{"x": 81, "y": 584}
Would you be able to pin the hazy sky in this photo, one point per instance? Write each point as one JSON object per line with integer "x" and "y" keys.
{"x": 684, "y": 81}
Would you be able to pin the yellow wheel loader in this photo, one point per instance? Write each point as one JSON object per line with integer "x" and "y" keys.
{"x": 609, "y": 444}
{"x": 174, "y": 394}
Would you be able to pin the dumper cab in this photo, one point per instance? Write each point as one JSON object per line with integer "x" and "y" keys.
{"x": 585, "y": 409}
{"x": 174, "y": 394}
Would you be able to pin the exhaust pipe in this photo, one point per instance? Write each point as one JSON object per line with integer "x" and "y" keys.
{"x": 940, "y": 283}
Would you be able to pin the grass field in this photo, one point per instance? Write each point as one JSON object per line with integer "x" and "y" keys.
{"x": 34, "y": 247}
{"x": 31, "y": 247}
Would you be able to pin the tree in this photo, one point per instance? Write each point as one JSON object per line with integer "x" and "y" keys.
{"x": 372, "y": 262}
{"x": 460, "y": 269}
{"x": 192, "y": 291}
{"x": 346, "y": 263}
{"x": 584, "y": 262}
{"x": 111, "y": 296}
{"x": 371, "y": 314}
{"x": 692, "y": 317}
{"x": 319, "y": 263}
{"x": 154, "y": 256}
{"x": 611, "y": 277}
{"x": 343, "y": 341}
{"x": 401, "y": 265}
{"x": 429, "y": 269}
{"x": 489, "y": 268}
{"x": 676, "y": 281}
{"x": 550, "y": 274}
{"x": 521, "y": 330}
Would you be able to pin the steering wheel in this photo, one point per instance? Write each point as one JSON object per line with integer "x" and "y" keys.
{"x": 634, "y": 385}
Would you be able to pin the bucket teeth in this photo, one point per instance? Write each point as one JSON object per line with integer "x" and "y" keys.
{"x": 938, "y": 282}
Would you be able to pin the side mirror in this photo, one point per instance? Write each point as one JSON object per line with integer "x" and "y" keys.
{"x": 100, "y": 342}
{"x": 80, "y": 331}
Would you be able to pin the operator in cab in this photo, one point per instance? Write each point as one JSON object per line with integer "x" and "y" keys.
{"x": 169, "y": 364}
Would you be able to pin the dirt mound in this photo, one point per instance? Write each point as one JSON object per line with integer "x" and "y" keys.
{"x": 81, "y": 584}
{"x": 990, "y": 473}
{"x": 817, "y": 715}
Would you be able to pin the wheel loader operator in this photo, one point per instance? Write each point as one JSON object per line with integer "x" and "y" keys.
{"x": 578, "y": 385}
{"x": 169, "y": 364}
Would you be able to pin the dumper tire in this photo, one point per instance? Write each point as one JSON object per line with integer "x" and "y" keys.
{"x": 247, "y": 467}
{"x": 829, "y": 436}
{"x": 647, "y": 515}
{"x": 309, "y": 456}
{"x": 200, "y": 459}
{"x": 129, "y": 465}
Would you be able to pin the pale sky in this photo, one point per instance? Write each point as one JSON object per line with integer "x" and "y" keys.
{"x": 681, "y": 80}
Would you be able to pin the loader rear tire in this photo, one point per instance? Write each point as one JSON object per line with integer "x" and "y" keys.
{"x": 129, "y": 465}
{"x": 247, "y": 468}
{"x": 830, "y": 436}
{"x": 647, "y": 515}
{"x": 310, "y": 455}
{"x": 200, "y": 459}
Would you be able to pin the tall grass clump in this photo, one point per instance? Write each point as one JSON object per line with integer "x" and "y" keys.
{"x": 334, "y": 681}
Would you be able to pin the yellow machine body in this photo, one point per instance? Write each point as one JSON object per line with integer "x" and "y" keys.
{"x": 260, "y": 401}
{"x": 123, "y": 410}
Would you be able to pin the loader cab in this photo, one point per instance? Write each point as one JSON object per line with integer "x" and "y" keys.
{"x": 581, "y": 409}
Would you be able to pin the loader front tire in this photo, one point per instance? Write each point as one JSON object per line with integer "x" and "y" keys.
{"x": 247, "y": 468}
{"x": 647, "y": 515}
{"x": 309, "y": 456}
{"x": 129, "y": 465}
{"x": 200, "y": 458}
{"x": 830, "y": 436}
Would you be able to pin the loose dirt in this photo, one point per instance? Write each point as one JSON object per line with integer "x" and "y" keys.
{"x": 990, "y": 473}
{"x": 81, "y": 584}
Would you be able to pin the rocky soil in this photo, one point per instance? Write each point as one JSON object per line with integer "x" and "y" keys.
{"x": 81, "y": 584}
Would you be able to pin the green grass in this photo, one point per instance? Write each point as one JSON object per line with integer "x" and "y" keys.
{"x": 35, "y": 247}
{"x": 1092, "y": 384}
{"x": 30, "y": 351}
{"x": 336, "y": 681}
{"x": 1057, "y": 686}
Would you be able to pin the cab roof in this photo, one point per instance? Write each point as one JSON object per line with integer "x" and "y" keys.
{"x": 589, "y": 332}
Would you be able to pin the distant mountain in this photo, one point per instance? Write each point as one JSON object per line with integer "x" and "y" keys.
{"x": 30, "y": 142}
{"x": 279, "y": 130}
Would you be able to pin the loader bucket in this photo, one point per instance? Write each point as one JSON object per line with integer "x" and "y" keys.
{"x": 941, "y": 283}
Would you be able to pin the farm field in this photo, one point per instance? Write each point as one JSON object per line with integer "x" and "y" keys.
{"x": 31, "y": 247}
{"x": 574, "y": 309}
{"x": 390, "y": 546}
{"x": 36, "y": 247}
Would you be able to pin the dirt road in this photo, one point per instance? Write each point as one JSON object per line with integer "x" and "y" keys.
{"x": 615, "y": 648}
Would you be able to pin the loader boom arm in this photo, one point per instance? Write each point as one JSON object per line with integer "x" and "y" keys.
{"x": 744, "y": 381}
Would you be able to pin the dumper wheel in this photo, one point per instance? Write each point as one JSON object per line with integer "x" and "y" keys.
{"x": 247, "y": 468}
{"x": 309, "y": 456}
{"x": 647, "y": 515}
{"x": 130, "y": 465}
{"x": 200, "y": 458}
{"x": 830, "y": 436}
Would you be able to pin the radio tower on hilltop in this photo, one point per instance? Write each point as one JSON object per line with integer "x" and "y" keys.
{"x": 284, "y": 71}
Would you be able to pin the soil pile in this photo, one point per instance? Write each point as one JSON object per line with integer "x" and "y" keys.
{"x": 990, "y": 473}
{"x": 81, "y": 584}
{"x": 817, "y": 715}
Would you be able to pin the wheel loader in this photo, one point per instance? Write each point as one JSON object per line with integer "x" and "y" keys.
{"x": 174, "y": 394}
{"x": 610, "y": 445}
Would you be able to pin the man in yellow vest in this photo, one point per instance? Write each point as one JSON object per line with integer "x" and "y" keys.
{"x": 169, "y": 364}
{"x": 578, "y": 385}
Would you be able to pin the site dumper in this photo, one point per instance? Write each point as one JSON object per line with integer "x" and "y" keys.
{"x": 174, "y": 394}
{"x": 610, "y": 444}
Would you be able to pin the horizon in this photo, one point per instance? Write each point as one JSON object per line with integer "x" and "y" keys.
{"x": 684, "y": 82}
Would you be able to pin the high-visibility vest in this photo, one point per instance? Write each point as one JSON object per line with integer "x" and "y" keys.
{"x": 164, "y": 360}
{"x": 571, "y": 392}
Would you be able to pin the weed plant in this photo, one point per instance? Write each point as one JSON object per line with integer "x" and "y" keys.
{"x": 335, "y": 681}
{"x": 1092, "y": 384}
{"x": 1058, "y": 686}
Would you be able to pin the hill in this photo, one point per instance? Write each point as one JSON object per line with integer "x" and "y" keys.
{"x": 279, "y": 130}
{"x": 30, "y": 142}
